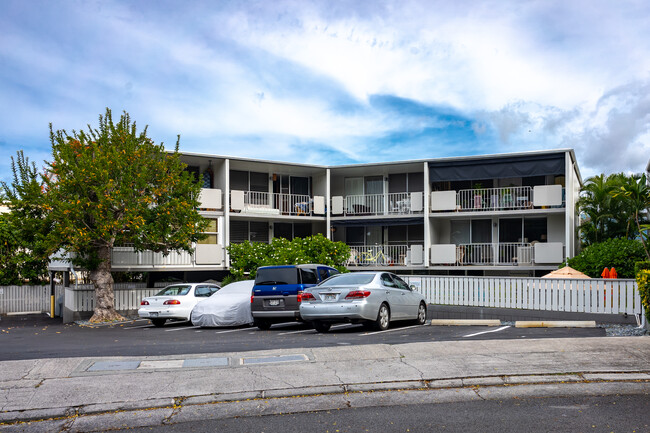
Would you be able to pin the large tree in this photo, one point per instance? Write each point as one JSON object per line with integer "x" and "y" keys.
{"x": 111, "y": 186}
{"x": 636, "y": 196}
{"x": 23, "y": 230}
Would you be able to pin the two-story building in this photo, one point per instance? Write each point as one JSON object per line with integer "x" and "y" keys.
{"x": 510, "y": 214}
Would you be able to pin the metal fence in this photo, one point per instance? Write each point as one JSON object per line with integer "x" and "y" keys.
{"x": 606, "y": 296}
{"x": 31, "y": 299}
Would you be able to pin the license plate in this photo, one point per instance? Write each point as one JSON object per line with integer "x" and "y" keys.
{"x": 274, "y": 302}
{"x": 329, "y": 297}
{"x": 153, "y": 314}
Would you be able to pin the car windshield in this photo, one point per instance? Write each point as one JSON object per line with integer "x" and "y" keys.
{"x": 352, "y": 279}
{"x": 275, "y": 276}
{"x": 174, "y": 291}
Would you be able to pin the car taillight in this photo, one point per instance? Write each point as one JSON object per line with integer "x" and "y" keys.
{"x": 308, "y": 297}
{"x": 299, "y": 297}
{"x": 144, "y": 302}
{"x": 358, "y": 294}
{"x": 172, "y": 302}
{"x": 252, "y": 297}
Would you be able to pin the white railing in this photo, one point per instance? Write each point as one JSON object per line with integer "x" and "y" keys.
{"x": 607, "y": 296}
{"x": 378, "y": 255}
{"x": 513, "y": 197}
{"x": 126, "y": 256}
{"x": 397, "y": 203}
{"x": 495, "y": 254}
{"x": 278, "y": 203}
{"x": 82, "y": 298}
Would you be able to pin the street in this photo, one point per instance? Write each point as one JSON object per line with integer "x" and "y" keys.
{"x": 38, "y": 336}
{"x": 608, "y": 413}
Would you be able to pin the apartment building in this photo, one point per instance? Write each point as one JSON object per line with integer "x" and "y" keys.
{"x": 509, "y": 214}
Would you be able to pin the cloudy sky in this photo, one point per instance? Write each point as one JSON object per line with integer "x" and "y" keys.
{"x": 331, "y": 82}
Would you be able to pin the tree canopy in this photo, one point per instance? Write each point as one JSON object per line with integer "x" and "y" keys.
{"x": 112, "y": 185}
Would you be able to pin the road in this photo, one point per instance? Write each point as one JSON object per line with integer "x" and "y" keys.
{"x": 609, "y": 413}
{"x": 37, "y": 337}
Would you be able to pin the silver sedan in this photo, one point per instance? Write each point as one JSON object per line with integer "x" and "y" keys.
{"x": 372, "y": 298}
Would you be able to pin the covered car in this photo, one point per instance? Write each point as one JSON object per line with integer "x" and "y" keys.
{"x": 230, "y": 306}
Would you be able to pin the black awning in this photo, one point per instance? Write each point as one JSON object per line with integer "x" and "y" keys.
{"x": 498, "y": 168}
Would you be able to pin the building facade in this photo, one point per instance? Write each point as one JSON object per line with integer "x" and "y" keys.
{"x": 509, "y": 214}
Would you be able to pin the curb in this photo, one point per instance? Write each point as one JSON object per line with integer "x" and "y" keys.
{"x": 555, "y": 324}
{"x": 159, "y": 411}
{"x": 465, "y": 322}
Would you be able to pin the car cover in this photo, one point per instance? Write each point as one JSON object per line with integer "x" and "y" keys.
{"x": 229, "y": 306}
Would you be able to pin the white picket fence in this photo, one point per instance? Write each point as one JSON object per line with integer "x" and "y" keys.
{"x": 605, "y": 296}
{"x": 26, "y": 299}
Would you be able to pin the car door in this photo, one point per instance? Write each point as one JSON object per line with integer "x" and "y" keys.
{"x": 410, "y": 299}
{"x": 393, "y": 296}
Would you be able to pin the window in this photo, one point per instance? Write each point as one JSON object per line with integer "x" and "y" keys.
{"x": 387, "y": 281}
{"x": 322, "y": 273}
{"x": 253, "y": 231}
{"x": 308, "y": 276}
{"x": 204, "y": 291}
{"x": 401, "y": 284}
{"x": 211, "y": 231}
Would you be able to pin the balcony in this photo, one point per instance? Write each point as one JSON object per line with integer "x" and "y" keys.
{"x": 498, "y": 199}
{"x": 266, "y": 203}
{"x": 126, "y": 257}
{"x": 497, "y": 254}
{"x": 385, "y": 255}
{"x": 400, "y": 203}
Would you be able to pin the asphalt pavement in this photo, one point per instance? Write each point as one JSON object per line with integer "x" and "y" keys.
{"x": 100, "y": 393}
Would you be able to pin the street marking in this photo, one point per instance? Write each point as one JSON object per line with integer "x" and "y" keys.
{"x": 232, "y": 330}
{"x": 390, "y": 330}
{"x": 485, "y": 332}
{"x": 297, "y": 332}
{"x": 182, "y": 328}
{"x": 149, "y": 325}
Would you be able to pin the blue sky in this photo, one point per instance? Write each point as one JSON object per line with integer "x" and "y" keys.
{"x": 331, "y": 82}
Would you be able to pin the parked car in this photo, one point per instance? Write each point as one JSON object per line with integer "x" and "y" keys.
{"x": 175, "y": 302}
{"x": 230, "y": 306}
{"x": 278, "y": 290}
{"x": 372, "y": 298}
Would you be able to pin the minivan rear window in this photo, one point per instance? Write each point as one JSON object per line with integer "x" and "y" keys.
{"x": 275, "y": 276}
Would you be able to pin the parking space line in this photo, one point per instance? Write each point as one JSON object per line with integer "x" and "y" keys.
{"x": 233, "y": 330}
{"x": 148, "y": 325}
{"x": 486, "y": 332}
{"x": 182, "y": 328}
{"x": 297, "y": 332}
{"x": 390, "y": 330}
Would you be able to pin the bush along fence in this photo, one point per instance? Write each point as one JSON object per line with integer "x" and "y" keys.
{"x": 599, "y": 296}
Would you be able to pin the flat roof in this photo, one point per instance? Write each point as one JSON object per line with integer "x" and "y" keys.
{"x": 411, "y": 161}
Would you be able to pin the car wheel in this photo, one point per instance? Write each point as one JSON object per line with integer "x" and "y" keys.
{"x": 383, "y": 318}
{"x": 422, "y": 314}
{"x": 158, "y": 322}
{"x": 322, "y": 326}
{"x": 262, "y": 324}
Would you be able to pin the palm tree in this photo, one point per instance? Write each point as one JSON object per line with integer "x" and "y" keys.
{"x": 595, "y": 203}
{"x": 636, "y": 195}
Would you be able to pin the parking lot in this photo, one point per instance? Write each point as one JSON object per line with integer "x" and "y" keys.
{"x": 38, "y": 336}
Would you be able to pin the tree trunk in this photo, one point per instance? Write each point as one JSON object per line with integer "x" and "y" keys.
{"x": 103, "y": 281}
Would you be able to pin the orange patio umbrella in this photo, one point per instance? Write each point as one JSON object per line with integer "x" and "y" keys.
{"x": 566, "y": 272}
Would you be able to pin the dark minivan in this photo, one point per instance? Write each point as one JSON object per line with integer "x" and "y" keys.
{"x": 278, "y": 291}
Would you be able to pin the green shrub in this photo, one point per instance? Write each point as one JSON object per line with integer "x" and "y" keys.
{"x": 246, "y": 257}
{"x": 642, "y": 272}
{"x": 621, "y": 254}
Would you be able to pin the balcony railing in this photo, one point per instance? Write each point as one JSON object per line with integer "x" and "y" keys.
{"x": 277, "y": 203}
{"x": 503, "y": 254}
{"x": 499, "y": 199}
{"x": 379, "y": 255}
{"x": 399, "y": 203}
{"x": 515, "y": 197}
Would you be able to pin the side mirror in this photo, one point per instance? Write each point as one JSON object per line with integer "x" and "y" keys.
{"x": 412, "y": 287}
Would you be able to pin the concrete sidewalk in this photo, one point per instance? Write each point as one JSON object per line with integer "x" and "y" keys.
{"x": 86, "y": 394}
